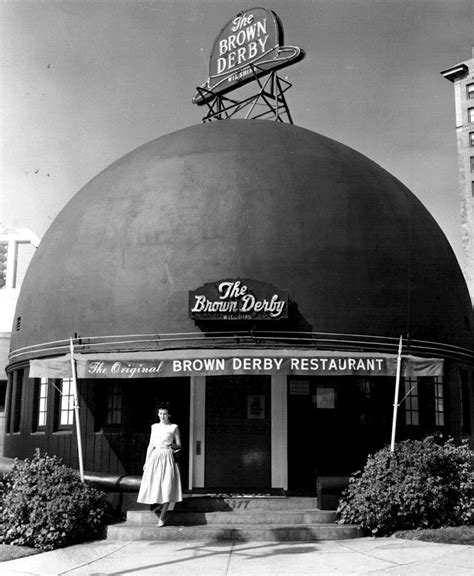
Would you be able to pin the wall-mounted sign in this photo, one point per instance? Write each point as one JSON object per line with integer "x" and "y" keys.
{"x": 249, "y": 45}
{"x": 237, "y": 365}
{"x": 299, "y": 387}
{"x": 238, "y": 299}
{"x": 165, "y": 363}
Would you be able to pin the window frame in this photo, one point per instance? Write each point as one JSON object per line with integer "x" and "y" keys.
{"x": 113, "y": 405}
{"x": 110, "y": 406}
{"x": 17, "y": 401}
{"x": 64, "y": 404}
{"x": 439, "y": 403}
{"x": 412, "y": 402}
{"x": 41, "y": 408}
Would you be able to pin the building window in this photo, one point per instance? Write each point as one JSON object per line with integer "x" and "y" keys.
{"x": 472, "y": 189}
{"x": 471, "y": 138}
{"x": 109, "y": 405}
{"x": 472, "y": 163}
{"x": 439, "y": 402}
{"x": 9, "y": 403}
{"x": 470, "y": 91}
{"x": 17, "y": 400}
{"x": 470, "y": 114}
{"x": 412, "y": 414}
{"x": 65, "y": 403}
{"x": 41, "y": 404}
{"x": 113, "y": 404}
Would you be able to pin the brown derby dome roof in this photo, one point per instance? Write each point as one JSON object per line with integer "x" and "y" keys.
{"x": 356, "y": 250}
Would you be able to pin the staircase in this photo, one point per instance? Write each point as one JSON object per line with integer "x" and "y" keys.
{"x": 240, "y": 518}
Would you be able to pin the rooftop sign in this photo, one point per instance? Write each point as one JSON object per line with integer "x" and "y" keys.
{"x": 249, "y": 45}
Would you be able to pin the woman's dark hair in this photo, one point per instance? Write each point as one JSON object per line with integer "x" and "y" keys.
{"x": 163, "y": 405}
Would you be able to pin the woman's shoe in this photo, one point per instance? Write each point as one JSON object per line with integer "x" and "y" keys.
{"x": 160, "y": 523}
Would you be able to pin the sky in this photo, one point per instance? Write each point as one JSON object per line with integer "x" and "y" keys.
{"x": 84, "y": 82}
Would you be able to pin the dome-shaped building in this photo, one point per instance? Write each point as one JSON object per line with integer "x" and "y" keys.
{"x": 258, "y": 276}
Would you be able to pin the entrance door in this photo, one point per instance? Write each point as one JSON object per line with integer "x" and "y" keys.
{"x": 238, "y": 432}
{"x": 143, "y": 399}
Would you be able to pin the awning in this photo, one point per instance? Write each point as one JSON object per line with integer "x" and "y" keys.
{"x": 218, "y": 362}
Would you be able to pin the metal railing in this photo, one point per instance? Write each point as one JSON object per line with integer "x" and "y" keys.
{"x": 241, "y": 339}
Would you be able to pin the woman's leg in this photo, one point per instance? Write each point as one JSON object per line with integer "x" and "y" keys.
{"x": 164, "y": 510}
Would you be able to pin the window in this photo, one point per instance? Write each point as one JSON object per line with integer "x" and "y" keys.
{"x": 65, "y": 403}
{"x": 113, "y": 404}
{"x": 470, "y": 114}
{"x": 472, "y": 189}
{"x": 439, "y": 402}
{"x": 470, "y": 91}
{"x": 412, "y": 415}
{"x": 472, "y": 163}
{"x": 109, "y": 405}
{"x": 471, "y": 138}
{"x": 41, "y": 404}
{"x": 9, "y": 403}
{"x": 17, "y": 400}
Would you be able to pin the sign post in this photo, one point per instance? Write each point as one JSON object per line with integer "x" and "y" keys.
{"x": 76, "y": 412}
{"x": 397, "y": 389}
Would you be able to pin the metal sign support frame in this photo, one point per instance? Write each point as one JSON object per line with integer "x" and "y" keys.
{"x": 270, "y": 96}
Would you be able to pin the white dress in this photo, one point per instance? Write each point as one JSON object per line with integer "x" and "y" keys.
{"x": 161, "y": 481}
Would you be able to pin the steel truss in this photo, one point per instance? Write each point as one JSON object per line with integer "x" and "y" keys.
{"x": 268, "y": 103}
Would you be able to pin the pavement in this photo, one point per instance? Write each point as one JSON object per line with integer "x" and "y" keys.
{"x": 374, "y": 556}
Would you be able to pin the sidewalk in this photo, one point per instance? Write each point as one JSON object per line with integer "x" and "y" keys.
{"x": 387, "y": 556}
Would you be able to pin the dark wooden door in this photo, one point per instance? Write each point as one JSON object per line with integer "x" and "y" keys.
{"x": 238, "y": 432}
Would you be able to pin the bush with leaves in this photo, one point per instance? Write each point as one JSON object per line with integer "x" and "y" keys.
{"x": 45, "y": 505}
{"x": 421, "y": 484}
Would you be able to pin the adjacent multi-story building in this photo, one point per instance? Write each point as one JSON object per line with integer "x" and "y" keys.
{"x": 462, "y": 76}
{"x": 16, "y": 250}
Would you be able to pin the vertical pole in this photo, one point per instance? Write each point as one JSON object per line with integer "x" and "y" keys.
{"x": 397, "y": 389}
{"x": 76, "y": 411}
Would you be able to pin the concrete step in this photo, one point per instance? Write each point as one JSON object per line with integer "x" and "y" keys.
{"x": 242, "y": 532}
{"x": 228, "y": 503}
{"x": 236, "y": 516}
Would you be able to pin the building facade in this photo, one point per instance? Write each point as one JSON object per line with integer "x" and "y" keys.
{"x": 462, "y": 76}
{"x": 259, "y": 277}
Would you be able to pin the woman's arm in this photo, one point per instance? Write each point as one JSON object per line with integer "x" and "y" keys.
{"x": 150, "y": 449}
{"x": 176, "y": 440}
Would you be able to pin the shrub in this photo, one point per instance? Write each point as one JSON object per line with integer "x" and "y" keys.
{"x": 422, "y": 484}
{"x": 45, "y": 505}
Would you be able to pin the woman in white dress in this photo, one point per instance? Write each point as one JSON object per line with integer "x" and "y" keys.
{"x": 161, "y": 482}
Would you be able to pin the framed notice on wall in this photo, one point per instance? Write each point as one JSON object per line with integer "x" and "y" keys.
{"x": 256, "y": 407}
{"x": 325, "y": 397}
